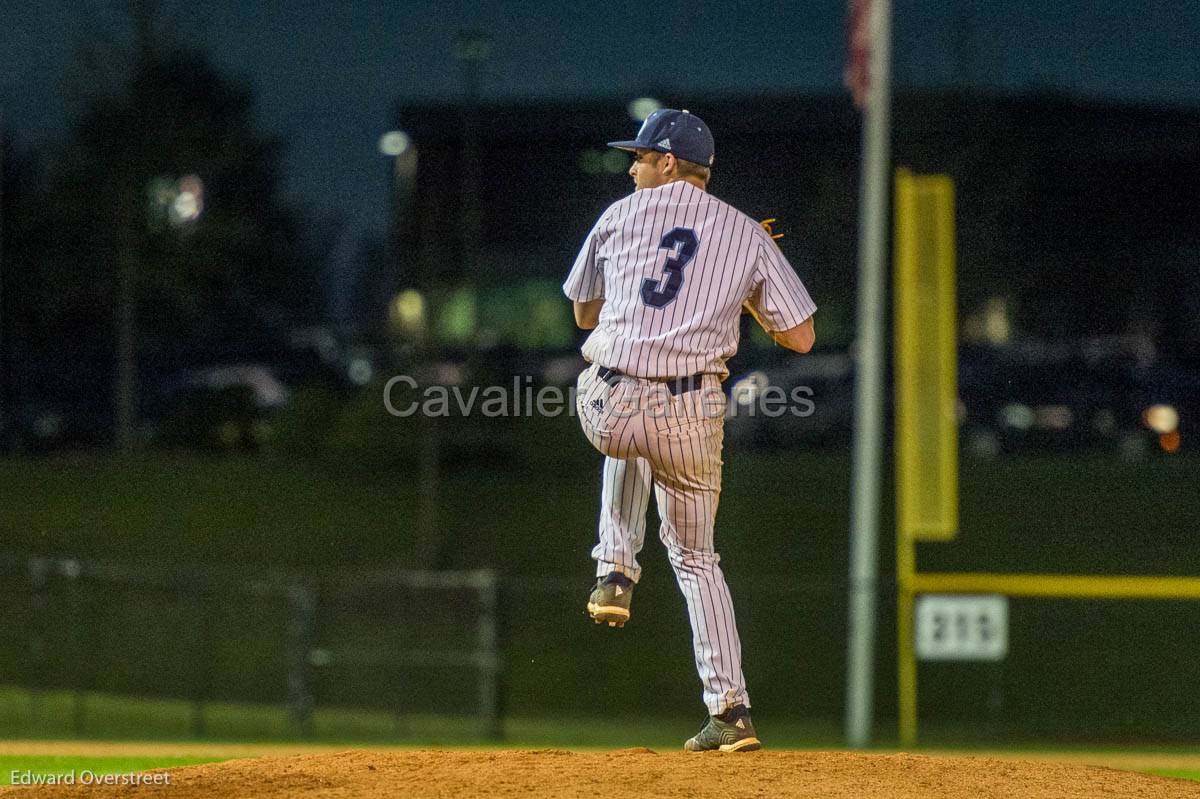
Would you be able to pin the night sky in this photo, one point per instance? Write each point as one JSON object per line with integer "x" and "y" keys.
{"x": 327, "y": 73}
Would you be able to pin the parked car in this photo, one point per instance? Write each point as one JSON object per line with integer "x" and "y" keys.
{"x": 1033, "y": 398}
{"x": 1072, "y": 397}
{"x": 220, "y": 407}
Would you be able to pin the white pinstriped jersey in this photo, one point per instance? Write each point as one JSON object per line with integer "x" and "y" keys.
{"x": 674, "y": 265}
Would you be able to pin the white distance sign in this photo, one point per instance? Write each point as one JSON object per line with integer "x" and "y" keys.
{"x": 962, "y": 627}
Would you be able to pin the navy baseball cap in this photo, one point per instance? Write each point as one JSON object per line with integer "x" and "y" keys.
{"x": 680, "y": 133}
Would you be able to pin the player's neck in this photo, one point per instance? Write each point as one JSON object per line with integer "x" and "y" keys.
{"x": 689, "y": 179}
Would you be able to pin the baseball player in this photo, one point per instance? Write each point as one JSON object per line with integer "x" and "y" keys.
{"x": 661, "y": 281}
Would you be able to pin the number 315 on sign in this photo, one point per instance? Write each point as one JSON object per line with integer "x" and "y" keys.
{"x": 962, "y": 627}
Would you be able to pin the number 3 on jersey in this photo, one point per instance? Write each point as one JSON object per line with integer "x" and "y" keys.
{"x": 659, "y": 293}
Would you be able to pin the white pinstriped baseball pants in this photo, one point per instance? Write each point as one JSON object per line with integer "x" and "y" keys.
{"x": 650, "y": 436}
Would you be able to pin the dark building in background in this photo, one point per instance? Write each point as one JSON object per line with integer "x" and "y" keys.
{"x": 547, "y": 175}
{"x": 1080, "y": 215}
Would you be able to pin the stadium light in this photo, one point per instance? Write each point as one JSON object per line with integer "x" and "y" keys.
{"x": 394, "y": 143}
{"x": 642, "y": 107}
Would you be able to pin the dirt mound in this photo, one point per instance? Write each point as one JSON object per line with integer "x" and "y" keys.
{"x": 636, "y": 773}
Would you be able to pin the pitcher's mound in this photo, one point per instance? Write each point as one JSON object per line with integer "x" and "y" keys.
{"x": 638, "y": 773}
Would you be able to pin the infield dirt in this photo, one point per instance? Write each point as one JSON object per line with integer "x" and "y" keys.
{"x": 636, "y": 773}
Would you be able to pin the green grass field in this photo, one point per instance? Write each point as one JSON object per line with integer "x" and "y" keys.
{"x": 782, "y": 534}
{"x": 1071, "y": 512}
{"x": 52, "y": 765}
{"x": 127, "y": 734}
{"x": 98, "y": 716}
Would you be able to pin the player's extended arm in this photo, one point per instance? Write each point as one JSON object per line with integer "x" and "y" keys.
{"x": 799, "y": 338}
{"x": 587, "y": 314}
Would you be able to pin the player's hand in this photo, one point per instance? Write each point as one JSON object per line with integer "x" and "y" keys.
{"x": 766, "y": 225}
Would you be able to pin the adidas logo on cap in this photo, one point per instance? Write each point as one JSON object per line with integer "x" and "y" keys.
{"x": 664, "y": 143}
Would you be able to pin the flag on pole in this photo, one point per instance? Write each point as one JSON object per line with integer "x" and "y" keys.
{"x": 858, "y": 52}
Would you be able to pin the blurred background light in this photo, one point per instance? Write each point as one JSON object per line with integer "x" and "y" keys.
{"x": 591, "y": 162}
{"x": 394, "y": 142}
{"x": 458, "y": 318}
{"x": 407, "y": 310}
{"x": 991, "y": 323}
{"x": 616, "y": 162}
{"x": 359, "y": 372}
{"x": 186, "y": 207}
{"x": 161, "y": 192}
{"x": 642, "y": 107}
{"x": 597, "y": 162}
{"x": 996, "y": 323}
{"x": 179, "y": 202}
{"x": 746, "y": 391}
{"x": 1054, "y": 417}
{"x": 1161, "y": 419}
{"x": 1017, "y": 416}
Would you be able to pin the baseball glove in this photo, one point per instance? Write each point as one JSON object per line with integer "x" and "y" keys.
{"x": 766, "y": 225}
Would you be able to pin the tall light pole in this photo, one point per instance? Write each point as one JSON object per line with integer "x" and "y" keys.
{"x": 398, "y": 146}
{"x": 471, "y": 48}
{"x": 409, "y": 316}
{"x": 4, "y": 387}
{"x": 3, "y": 339}
{"x": 124, "y": 318}
{"x": 131, "y": 215}
{"x": 869, "y": 388}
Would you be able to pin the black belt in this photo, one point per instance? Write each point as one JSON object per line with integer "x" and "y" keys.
{"x": 676, "y": 385}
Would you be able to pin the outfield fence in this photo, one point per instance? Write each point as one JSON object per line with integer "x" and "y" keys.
{"x": 405, "y": 640}
{"x": 391, "y": 654}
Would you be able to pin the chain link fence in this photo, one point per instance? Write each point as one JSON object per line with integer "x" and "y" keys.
{"x": 404, "y": 641}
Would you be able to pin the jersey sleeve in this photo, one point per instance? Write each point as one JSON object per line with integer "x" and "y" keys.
{"x": 586, "y": 279}
{"x": 778, "y": 297}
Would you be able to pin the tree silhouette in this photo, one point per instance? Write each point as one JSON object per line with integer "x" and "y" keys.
{"x": 227, "y": 275}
